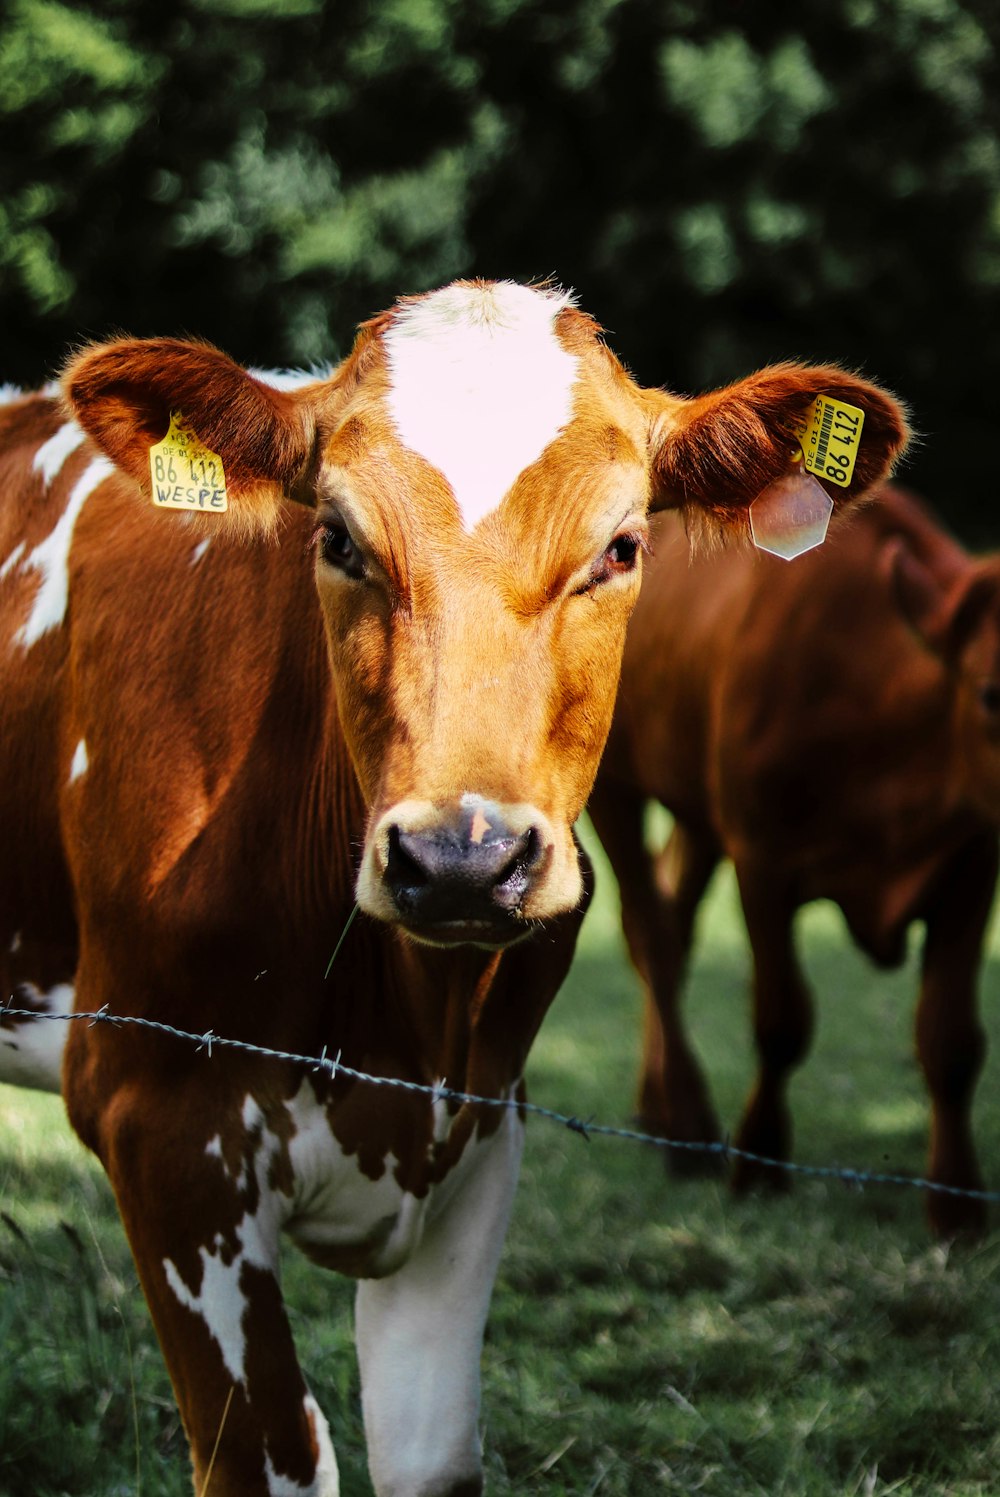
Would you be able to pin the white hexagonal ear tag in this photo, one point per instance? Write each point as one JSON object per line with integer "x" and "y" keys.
{"x": 791, "y": 515}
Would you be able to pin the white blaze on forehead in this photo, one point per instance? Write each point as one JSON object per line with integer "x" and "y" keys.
{"x": 480, "y": 385}
{"x": 52, "y": 454}
{"x": 51, "y": 558}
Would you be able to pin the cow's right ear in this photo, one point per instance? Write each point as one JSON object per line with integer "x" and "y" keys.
{"x": 123, "y": 393}
{"x": 713, "y": 455}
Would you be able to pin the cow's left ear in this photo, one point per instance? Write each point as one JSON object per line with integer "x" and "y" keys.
{"x": 713, "y": 455}
{"x": 124, "y": 393}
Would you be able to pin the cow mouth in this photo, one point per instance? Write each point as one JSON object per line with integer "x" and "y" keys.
{"x": 487, "y": 935}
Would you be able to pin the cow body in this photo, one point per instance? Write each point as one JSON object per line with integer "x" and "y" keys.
{"x": 831, "y": 726}
{"x": 394, "y": 692}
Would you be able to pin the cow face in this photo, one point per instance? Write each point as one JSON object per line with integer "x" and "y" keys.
{"x": 481, "y": 469}
{"x": 477, "y": 623}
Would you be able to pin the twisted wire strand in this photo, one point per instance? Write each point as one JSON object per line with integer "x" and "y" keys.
{"x": 440, "y": 1091}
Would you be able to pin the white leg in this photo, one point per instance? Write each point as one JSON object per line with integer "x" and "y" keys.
{"x": 420, "y": 1332}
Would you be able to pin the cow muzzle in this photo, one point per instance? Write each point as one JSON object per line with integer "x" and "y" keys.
{"x": 478, "y": 875}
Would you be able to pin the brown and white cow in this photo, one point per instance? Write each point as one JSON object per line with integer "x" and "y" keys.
{"x": 832, "y": 725}
{"x": 217, "y": 734}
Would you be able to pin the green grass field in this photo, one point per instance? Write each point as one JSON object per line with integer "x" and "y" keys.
{"x": 647, "y": 1336}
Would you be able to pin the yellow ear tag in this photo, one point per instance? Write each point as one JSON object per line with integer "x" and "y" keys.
{"x": 185, "y": 474}
{"x": 829, "y": 435}
{"x": 791, "y": 515}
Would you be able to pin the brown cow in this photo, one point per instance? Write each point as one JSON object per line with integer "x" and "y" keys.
{"x": 832, "y": 725}
{"x": 395, "y": 688}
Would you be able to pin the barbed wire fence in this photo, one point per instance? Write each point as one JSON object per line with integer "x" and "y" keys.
{"x": 334, "y": 1066}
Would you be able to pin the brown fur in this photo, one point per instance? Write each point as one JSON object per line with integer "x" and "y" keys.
{"x": 828, "y": 725}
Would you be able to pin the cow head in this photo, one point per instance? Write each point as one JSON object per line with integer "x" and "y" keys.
{"x": 952, "y": 601}
{"x": 481, "y": 468}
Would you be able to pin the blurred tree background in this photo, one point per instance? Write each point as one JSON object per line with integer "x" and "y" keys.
{"x": 724, "y": 183}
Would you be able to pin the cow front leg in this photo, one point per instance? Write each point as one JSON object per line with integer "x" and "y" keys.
{"x": 420, "y": 1331}
{"x": 783, "y": 1024}
{"x": 681, "y": 873}
{"x": 659, "y": 901}
{"x": 201, "y": 1216}
{"x": 950, "y": 1040}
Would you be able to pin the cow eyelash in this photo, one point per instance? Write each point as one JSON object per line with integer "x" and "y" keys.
{"x": 619, "y": 558}
{"x": 337, "y": 548}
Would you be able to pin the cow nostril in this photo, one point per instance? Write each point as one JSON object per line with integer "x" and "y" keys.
{"x": 404, "y": 873}
{"x": 512, "y": 881}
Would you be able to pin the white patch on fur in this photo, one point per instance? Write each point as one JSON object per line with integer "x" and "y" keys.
{"x": 81, "y": 762}
{"x": 200, "y": 550}
{"x": 9, "y": 393}
{"x": 480, "y": 385}
{"x": 221, "y": 1301}
{"x": 419, "y": 1331}
{"x": 336, "y": 1205}
{"x": 49, "y": 458}
{"x": 51, "y": 558}
{"x": 31, "y": 1052}
{"x": 326, "y": 1482}
{"x": 441, "y": 1119}
{"x": 12, "y": 559}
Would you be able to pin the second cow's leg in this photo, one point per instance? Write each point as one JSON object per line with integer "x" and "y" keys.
{"x": 950, "y": 1039}
{"x": 659, "y": 901}
{"x": 783, "y": 1022}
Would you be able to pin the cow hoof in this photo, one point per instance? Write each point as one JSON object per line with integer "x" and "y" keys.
{"x": 954, "y": 1218}
{"x": 749, "y": 1176}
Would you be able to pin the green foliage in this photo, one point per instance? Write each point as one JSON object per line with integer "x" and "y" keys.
{"x": 724, "y": 185}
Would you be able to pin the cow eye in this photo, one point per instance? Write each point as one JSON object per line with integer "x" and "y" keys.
{"x": 338, "y": 549}
{"x": 622, "y": 553}
{"x": 620, "y": 557}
